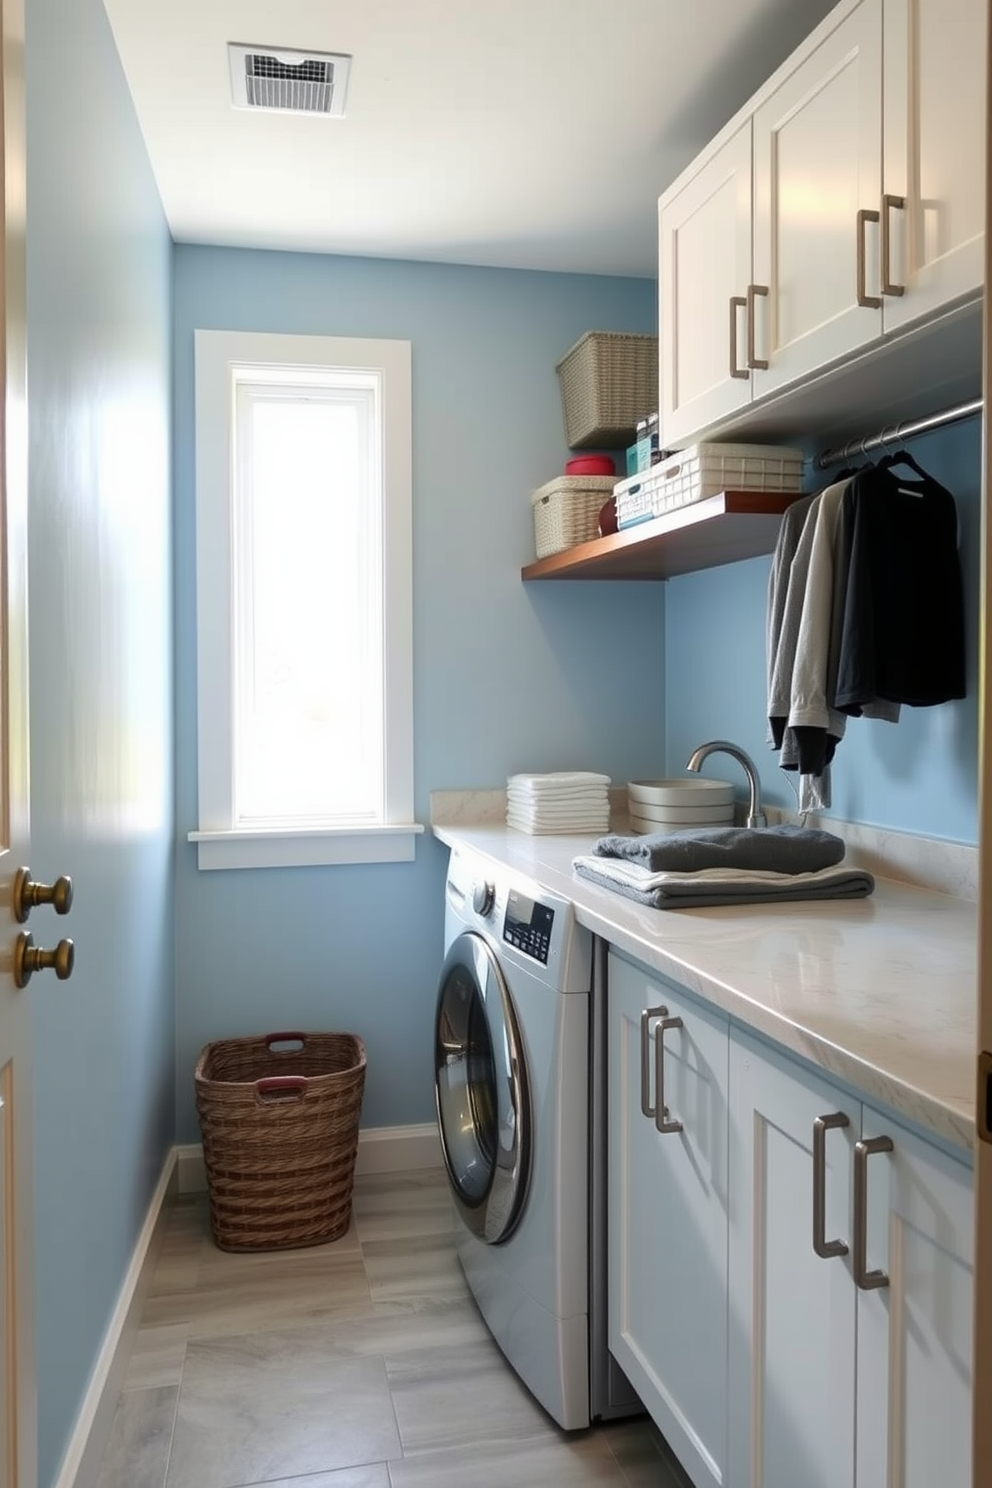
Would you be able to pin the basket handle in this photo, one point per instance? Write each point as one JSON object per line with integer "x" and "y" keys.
{"x": 285, "y": 1038}
{"x": 281, "y": 1087}
{"x": 672, "y": 472}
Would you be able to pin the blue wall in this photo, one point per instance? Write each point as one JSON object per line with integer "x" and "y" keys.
{"x": 507, "y": 676}
{"x": 919, "y": 775}
{"x": 99, "y": 350}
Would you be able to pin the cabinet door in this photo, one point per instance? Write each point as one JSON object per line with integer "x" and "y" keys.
{"x": 668, "y": 1217}
{"x": 705, "y": 266}
{"x": 915, "y": 1333}
{"x": 817, "y": 171}
{"x": 792, "y": 1312}
{"x": 934, "y": 160}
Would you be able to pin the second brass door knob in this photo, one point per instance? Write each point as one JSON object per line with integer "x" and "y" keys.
{"x": 29, "y": 958}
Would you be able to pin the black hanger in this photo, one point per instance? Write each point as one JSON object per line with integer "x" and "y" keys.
{"x": 902, "y": 457}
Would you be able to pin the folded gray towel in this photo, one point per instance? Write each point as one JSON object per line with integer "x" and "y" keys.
{"x": 695, "y": 891}
{"x": 783, "y": 849}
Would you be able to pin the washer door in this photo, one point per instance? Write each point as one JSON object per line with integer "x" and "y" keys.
{"x": 480, "y": 1086}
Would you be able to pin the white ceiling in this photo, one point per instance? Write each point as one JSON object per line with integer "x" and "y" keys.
{"x": 515, "y": 133}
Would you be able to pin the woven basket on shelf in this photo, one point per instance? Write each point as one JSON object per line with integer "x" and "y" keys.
{"x": 279, "y": 1116}
{"x": 566, "y": 511}
{"x": 608, "y": 381}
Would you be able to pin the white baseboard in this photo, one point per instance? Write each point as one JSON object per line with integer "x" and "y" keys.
{"x": 81, "y": 1463}
{"x": 381, "y": 1149}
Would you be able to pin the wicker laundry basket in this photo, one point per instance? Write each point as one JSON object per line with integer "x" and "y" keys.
{"x": 279, "y": 1117}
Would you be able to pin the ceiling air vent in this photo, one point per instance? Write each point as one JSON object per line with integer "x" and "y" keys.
{"x": 288, "y": 81}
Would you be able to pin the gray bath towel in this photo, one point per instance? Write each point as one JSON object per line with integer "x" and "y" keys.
{"x": 782, "y": 849}
{"x": 715, "y": 886}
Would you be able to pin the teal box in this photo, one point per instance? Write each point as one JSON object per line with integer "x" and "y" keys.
{"x": 639, "y": 456}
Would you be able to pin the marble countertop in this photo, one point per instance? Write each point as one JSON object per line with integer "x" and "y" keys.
{"x": 880, "y": 992}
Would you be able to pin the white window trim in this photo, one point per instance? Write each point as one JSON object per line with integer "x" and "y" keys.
{"x": 219, "y": 844}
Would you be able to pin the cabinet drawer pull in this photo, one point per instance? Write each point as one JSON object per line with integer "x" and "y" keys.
{"x": 869, "y": 302}
{"x": 752, "y": 291}
{"x": 737, "y": 302}
{"x": 647, "y": 1109}
{"x": 888, "y": 202}
{"x": 661, "y": 1121}
{"x": 823, "y": 1247}
{"x": 866, "y": 1280}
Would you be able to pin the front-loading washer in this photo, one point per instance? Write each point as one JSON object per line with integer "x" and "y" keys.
{"x": 516, "y": 1060}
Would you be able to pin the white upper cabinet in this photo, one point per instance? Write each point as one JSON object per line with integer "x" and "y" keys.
{"x": 842, "y": 206}
{"x": 705, "y": 241}
{"x": 817, "y": 170}
{"x": 933, "y": 208}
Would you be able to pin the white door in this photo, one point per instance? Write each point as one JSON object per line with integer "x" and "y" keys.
{"x": 668, "y": 1212}
{"x": 934, "y": 163}
{"x": 817, "y": 173}
{"x": 18, "y": 1465}
{"x": 981, "y": 1415}
{"x": 792, "y": 1306}
{"x": 704, "y": 270}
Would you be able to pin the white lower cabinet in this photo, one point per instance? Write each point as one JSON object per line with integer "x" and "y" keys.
{"x": 850, "y": 1289}
{"x": 790, "y": 1269}
{"x": 668, "y": 1211}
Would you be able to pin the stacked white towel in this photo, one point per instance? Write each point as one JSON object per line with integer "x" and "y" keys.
{"x": 563, "y": 802}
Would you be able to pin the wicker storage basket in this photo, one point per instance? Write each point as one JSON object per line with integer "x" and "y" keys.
{"x": 566, "y": 511}
{"x": 279, "y": 1118}
{"x": 608, "y": 381}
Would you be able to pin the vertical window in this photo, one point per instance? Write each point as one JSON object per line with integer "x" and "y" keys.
{"x": 303, "y": 600}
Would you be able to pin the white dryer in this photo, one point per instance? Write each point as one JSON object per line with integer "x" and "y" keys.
{"x": 515, "y": 1062}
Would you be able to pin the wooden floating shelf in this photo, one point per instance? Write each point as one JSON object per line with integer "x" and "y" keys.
{"x": 720, "y": 529}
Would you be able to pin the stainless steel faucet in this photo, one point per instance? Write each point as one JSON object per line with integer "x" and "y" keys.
{"x": 755, "y": 815}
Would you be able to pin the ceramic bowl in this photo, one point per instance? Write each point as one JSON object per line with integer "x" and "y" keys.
{"x": 684, "y": 816}
{"x": 683, "y": 791}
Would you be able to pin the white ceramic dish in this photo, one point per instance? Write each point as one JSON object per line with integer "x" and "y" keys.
{"x": 683, "y": 816}
{"x": 640, "y": 825}
{"x": 681, "y": 792}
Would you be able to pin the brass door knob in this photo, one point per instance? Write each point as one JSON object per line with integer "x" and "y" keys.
{"x": 27, "y": 894}
{"x": 28, "y": 959}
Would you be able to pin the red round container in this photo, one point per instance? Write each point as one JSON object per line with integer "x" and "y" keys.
{"x": 590, "y": 465}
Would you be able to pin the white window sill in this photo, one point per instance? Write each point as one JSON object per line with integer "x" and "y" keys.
{"x": 295, "y": 848}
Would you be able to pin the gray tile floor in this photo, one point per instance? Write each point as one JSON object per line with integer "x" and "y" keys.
{"x": 359, "y": 1364}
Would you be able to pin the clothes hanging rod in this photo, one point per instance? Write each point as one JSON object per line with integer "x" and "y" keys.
{"x": 895, "y": 433}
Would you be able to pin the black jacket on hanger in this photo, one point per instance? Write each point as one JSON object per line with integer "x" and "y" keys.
{"x": 902, "y": 636}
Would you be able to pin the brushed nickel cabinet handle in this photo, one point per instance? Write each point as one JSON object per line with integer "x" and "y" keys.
{"x": 661, "y": 1118}
{"x": 737, "y": 302}
{"x": 867, "y": 301}
{"x": 752, "y": 291}
{"x": 888, "y": 203}
{"x": 867, "y": 1280}
{"x": 823, "y": 1247}
{"x": 647, "y": 1109}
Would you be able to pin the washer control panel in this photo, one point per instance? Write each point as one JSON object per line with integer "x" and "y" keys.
{"x": 527, "y": 925}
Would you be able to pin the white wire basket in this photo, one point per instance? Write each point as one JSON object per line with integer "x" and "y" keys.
{"x": 705, "y": 470}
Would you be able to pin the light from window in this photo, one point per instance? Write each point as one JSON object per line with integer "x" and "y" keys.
{"x": 303, "y": 566}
